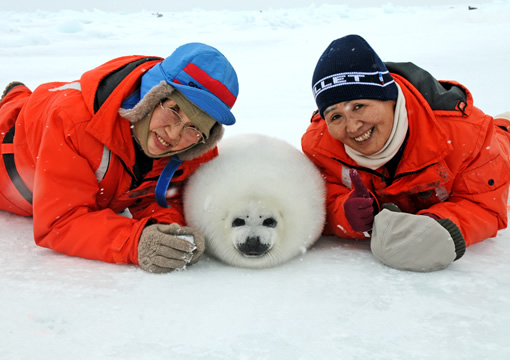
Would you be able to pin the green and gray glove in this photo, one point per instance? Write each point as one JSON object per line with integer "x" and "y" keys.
{"x": 164, "y": 248}
{"x": 415, "y": 242}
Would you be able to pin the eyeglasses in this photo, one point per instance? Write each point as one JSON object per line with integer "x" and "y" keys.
{"x": 189, "y": 133}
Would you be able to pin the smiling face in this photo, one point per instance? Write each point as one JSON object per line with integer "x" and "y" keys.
{"x": 167, "y": 129}
{"x": 364, "y": 125}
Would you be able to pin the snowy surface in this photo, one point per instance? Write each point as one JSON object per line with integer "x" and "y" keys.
{"x": 334, "y": 302}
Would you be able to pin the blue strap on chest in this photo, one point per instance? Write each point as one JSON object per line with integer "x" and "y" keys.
{"x": 164, "y": 181}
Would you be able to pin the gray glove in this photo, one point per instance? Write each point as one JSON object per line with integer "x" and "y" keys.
{"x": 164, "y": 248}
{"x": 415, "y": 242}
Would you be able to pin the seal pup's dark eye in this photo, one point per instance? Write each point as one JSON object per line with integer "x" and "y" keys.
{"x": 270, "y": 222}
{"x": 238, "y": 222}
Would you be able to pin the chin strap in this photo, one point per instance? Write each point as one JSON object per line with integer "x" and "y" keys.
{"x": 164, "y": 180}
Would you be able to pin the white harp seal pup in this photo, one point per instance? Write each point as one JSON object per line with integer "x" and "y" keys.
{"x": 260, "y": 203}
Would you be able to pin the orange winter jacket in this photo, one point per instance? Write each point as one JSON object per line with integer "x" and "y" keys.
{"x": 454, "y": 164}
{"x": 76, "y": 155}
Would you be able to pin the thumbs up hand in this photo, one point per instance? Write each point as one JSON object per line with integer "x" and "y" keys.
{"x": 359, "y": 209}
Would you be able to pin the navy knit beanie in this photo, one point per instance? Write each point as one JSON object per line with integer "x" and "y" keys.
{"x": 349, "y": 69}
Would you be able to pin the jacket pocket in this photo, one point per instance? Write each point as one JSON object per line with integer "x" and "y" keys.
{"x": 488, "y": 177}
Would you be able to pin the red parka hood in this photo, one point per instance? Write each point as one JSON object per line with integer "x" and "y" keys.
{"x": 104, "y": 102}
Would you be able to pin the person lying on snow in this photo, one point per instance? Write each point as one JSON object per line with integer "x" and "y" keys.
{"x": 408, "y": 160}
{"x": 126, "y": 135}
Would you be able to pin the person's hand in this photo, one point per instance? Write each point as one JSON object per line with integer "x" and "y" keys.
{"x": 415, "y": 242}
{"x": 164, "y": 248}
{"x": 359, "y": 209}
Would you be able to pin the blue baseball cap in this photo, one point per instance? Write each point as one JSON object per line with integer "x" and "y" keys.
{"x": 202, "y": 74}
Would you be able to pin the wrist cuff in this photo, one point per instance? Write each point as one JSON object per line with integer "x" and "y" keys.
{"x": 458, "y": 239}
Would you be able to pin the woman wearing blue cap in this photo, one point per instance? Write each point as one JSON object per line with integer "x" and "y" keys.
{"x": 409, "y": 161}
{"x": 126, "y": 135}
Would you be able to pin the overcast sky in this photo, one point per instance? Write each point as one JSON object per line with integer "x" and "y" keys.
{"x": 168, "y": 5}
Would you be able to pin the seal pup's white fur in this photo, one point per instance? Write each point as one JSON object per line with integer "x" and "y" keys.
{"x": 259, "y": 203}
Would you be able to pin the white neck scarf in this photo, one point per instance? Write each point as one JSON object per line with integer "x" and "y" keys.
{"x": 394, "y": 142}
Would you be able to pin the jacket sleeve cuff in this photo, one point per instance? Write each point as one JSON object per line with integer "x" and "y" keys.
{"x": 458, "y": 239}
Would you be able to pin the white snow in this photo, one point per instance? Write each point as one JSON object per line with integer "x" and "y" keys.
{"x": 334, "y": 302}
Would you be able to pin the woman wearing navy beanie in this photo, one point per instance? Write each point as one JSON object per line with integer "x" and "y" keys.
{"x": 410, "y": 162}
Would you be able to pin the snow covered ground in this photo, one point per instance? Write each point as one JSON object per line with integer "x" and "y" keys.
{"x": 334, "y": 302}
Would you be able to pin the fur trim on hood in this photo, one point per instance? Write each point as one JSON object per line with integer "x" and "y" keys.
{"x": 151, "y": 100}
